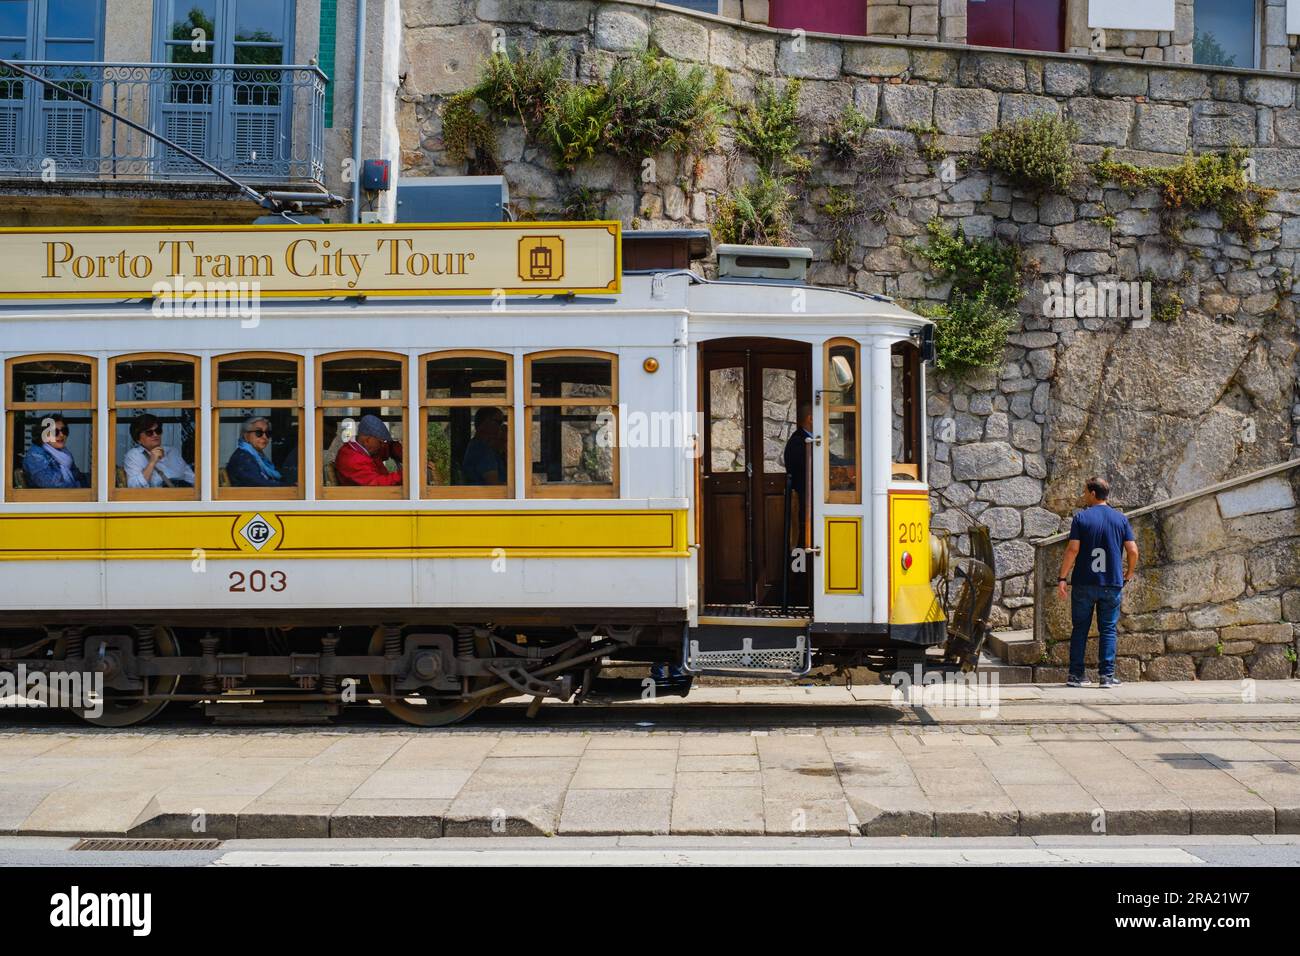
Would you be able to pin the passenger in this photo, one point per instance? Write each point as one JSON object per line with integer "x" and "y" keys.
{"x": 149, "y": 464}
{"x": 485, "y": 454}
{"x": 248, "y": 466}
{"x": 795, "y": 459}
{"x": 47, "y": 463}
{"x": 361, "y": 461}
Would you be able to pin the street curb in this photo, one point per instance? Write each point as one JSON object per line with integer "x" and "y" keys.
{"x": 973, "y": 822}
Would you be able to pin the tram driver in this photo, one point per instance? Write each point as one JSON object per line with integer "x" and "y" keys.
{"x": 361, "y": 461}
{"x": 151, "y": 465}
{"x": 249, "y": 466}
{"x": 48, "y": 464}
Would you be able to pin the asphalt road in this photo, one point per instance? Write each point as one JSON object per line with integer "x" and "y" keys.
{"x": 685, "y": 851}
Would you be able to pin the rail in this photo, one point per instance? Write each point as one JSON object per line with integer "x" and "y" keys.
{"x": 260, "y": 122}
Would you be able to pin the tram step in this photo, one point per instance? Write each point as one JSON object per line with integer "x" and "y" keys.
{"x": 762, "y": 651}
{"x": 271, "y": 712}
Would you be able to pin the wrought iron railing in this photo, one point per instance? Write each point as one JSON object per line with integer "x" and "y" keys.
{"x": 260, "y": 123}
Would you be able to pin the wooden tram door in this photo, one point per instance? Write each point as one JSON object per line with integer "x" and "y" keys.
{"x": 752, "y": 390}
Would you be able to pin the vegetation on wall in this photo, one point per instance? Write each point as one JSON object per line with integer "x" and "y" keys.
{"x": 971, "y": 328}
{"x": 759, "y": 211}
{"x": 1037, "y": 153}
{"x": 851, "y": 140}
{"x": 648, "y": 104}
{"x": 1210, "y": 181}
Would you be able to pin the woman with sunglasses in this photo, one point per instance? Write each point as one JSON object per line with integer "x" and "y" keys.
{"x": 148, "y": 464}
{"x": 48, "y": 464}
{"x": 248, "y": 466}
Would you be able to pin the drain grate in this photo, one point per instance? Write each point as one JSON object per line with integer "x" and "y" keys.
{"x": 120, "y": 845}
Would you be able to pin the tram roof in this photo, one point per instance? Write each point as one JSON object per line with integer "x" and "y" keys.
{"x": 673, "y": 291}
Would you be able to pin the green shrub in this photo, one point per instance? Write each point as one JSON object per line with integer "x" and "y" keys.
{"x": 1036, "y": 153}
{"x": 768, "y": 128}
{"x": 852, "y": 141}
{"x": 575, "y": 122}
{"x": 978, "y": 267}
{"x": 1210, "y": 181}
{"x": 655, "y": 105}
{"x": 467, "y": 132}
{"x": 648, "y": 104}
{"x": 970, "y": 333}
{"x": 757, "y": 213}
{"x": 971, "y": 328}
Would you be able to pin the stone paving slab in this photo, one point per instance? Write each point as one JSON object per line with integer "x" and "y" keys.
{"x": 1088, "y": 774}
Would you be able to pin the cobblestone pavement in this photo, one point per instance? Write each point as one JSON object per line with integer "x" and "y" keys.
{"x": 1149, "y": 759}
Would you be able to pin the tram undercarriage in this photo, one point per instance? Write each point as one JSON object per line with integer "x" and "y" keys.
{"x": 428, "y": 673}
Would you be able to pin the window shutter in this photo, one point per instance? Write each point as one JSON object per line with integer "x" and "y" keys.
{"x": 1128, "y": 15}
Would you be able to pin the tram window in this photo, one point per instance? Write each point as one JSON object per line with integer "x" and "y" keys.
{"x": 359, "y": 425}
{"x": 467, "y": 408}
{"x": 840, "y": 398}
{"x": 257, "y": 425}
{"x": 727, "y": 420}
{"x": 780, "y": 416}
{"x": 153, "y": 430}
{"x": 905, "y": 402}
{"x": 573, "y": 426}
{"x": 50, "y": 453}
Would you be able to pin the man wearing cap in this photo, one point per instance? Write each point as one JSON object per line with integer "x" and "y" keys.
{"x": 361, "y": 461}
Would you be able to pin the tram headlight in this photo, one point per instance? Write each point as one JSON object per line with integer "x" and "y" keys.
{"x": 939, "y": 555}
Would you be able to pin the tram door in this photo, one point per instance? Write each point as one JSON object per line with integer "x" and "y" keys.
{"x": 752, "y": 391}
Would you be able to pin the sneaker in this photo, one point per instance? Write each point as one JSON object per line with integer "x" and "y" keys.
{"x": 1078, "y": 682}
{"x": 1111, "y": 682}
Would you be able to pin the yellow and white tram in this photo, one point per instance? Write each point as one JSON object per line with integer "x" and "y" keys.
{"x": 558, "y": 482}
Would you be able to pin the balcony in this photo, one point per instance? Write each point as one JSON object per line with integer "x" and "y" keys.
{"x": 262, "y": 124}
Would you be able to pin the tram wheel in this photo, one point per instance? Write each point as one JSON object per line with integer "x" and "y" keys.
{"x": 125, "y": 708}
{"x": 423, "y": 710}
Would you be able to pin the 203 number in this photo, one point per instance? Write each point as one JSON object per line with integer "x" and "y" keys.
{"x": 258, "y": 581}
{"x": 911, "y": 532}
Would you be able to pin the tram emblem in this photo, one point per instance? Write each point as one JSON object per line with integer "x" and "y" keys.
{"x": 257, "y": 531}
{"x": 541, "y": 258}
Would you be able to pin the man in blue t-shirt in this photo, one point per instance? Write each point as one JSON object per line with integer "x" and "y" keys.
{"x": 1110, "y": 558}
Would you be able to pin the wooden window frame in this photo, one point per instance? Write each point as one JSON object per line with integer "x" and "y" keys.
{"x": 487, "y": 492}
{"x": 913, "y": 427}
{"x": 840, "y": 496}
{"x": 11, "y": 408}
{"x": 232, "y": 493}
{"x": 559, "y": 489}
{"x": 195, "y": 405}
{"x": 326, "y": 492}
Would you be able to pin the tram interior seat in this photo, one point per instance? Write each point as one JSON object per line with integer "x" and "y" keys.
{"x": 223, "y": 478}
{"x": 120, "y": 474}
{"x": 20, "y": 480}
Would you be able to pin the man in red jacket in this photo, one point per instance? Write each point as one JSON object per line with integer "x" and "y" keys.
{"x": 361, "y": 462}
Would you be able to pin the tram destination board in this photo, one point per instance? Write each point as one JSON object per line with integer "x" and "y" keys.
{"x": 312, "y": 261}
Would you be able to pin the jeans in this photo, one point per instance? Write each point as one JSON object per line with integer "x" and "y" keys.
{"x": 1083, "y": 599}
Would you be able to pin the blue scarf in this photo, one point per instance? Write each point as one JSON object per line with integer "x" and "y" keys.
{"x": 64, "y": 460}
{"x": 268, "y": 470}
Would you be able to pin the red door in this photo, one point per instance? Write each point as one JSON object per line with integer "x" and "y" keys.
{"x": 1016, "y": 24}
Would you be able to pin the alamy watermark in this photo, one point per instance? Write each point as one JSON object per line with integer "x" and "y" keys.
{"x": 209, "y": 300}
{"x": 921, "y": 688}
{"x": 1073, "y": 298}
{"x": 79, "y": 690}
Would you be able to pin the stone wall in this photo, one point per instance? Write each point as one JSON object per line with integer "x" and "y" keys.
{"x": 1217, "y": 596}
{"x": 1162, "y": 410}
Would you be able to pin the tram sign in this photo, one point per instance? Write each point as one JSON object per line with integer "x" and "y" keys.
{"x": 319, "y": 260}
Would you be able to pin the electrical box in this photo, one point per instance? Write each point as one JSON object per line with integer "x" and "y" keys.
{"x": 452, "y": 199}
{"x": 376, "y": 175}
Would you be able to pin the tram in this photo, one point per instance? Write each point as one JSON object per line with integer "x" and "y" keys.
{"x": 517, "y": 456}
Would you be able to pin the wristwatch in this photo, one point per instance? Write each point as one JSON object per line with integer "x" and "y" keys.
{"x": 1061, "y": 580}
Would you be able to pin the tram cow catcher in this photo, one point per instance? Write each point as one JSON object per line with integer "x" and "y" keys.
{"x": 432, "y": 492}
